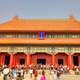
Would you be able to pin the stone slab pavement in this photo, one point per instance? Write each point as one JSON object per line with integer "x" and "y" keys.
{"x": 50, "y": 77}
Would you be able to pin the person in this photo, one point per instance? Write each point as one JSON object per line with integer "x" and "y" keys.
{"x": 31, "y": 72}
{"x": 6, "y": 71}
{"x": 57, "y": 75}
{"x": 43, "y": 77}
{"x": 22, "y": 73}
{"x": 14, "y": 73}
{"x": 18, "y": 76}
{"x": 35, "y": 74}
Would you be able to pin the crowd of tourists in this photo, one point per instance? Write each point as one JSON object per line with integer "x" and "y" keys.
{"x": 20, "y": 71}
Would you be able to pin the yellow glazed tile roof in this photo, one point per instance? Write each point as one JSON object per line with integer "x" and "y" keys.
{"x": 19, "y": 24}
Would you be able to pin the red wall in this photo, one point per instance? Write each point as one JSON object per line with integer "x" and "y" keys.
{"x": 36, "y": 56}
{"x": 61, "y": 56}
{"x": 17, "y": 58}
{"x": 2, "y": 57}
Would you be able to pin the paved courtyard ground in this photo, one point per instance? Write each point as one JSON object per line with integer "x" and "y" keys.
{"x": 50, "y": 77}
{"x": 63, "y": 77}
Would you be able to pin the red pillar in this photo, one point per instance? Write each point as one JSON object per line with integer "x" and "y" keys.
{"x": 70, "y": 61}
{"x": 28, "y": 59}
{"x": 53, "y": 59}
{"x": 11, "y": 60}
{"x": 18, "y": 58}
{"x": 1, "y": 60}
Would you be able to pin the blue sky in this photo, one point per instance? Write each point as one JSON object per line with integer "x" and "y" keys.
{"x": 39, "y": 8}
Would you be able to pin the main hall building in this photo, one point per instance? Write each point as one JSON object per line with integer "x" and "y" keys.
{"x": 40, "y": 41}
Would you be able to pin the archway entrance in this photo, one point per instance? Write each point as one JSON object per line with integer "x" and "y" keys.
{"x": 76, "y": 59}
{"x": 20, "y": 58}
{"x": 22, "y": 61}
{"x": 7, "y": 60}
{"x": 4, "y": 58}
{"x": 41, "y": 61}
{"x": 61, "y": 59}
{"x": 41, "y": 58}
